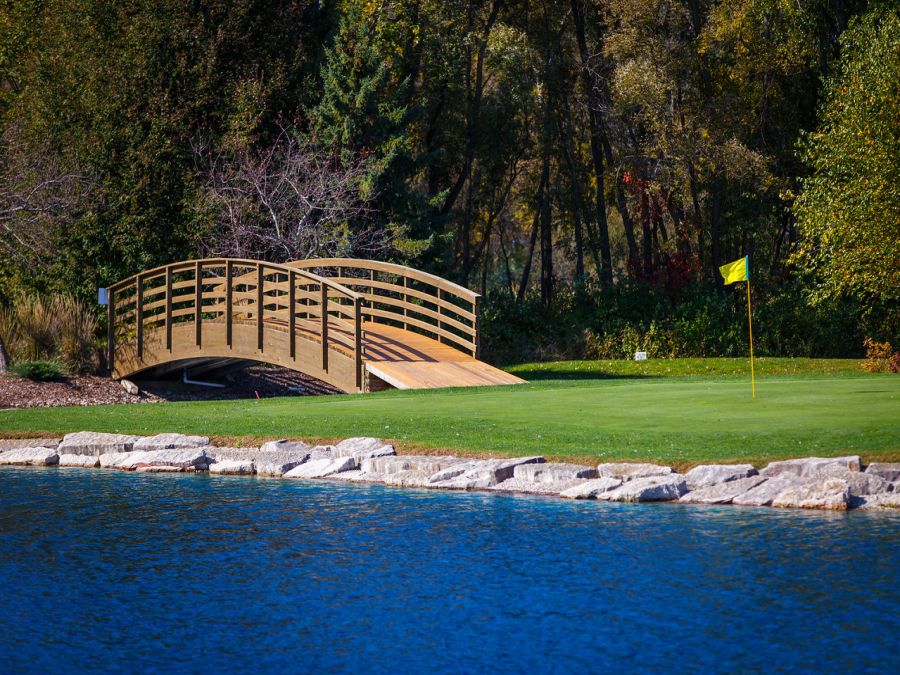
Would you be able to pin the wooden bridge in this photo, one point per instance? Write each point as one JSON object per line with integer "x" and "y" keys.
{"x": 358, "y": 325}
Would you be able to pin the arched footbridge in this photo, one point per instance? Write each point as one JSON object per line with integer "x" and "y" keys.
{"x": 358, "y": 325}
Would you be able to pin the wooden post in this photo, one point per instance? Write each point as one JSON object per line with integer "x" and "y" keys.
{"x": 292, "y": 312}
{"x": 476, "y": 310}
{"x": 139, "y": 317}
{"x": 111, "y": 330}
{"x": 358, "y": 345}
{"x": 169, "y": 308}
{"x": 440, "y": 311}
{"x": 260, "y": 279}
{"x": 323, "y": 307}
{"x": 228, "y": 297}
{"x": 198, "y": 302}
{"x": 405, "y": 298}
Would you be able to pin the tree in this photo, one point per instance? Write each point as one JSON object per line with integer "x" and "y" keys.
{"x": 848, "y": 212}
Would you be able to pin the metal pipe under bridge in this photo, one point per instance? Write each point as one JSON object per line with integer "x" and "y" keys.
{"x": 358, "y": 325}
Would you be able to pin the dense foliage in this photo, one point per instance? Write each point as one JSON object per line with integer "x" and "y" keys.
{"x": 586, "y": 164}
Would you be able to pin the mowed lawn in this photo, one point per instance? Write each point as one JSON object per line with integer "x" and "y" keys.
{"x": 681, "y": 420}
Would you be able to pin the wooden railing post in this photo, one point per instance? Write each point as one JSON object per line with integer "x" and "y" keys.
{"x": 169, "y": 308}
{"x": 229, "y": 312}
{"x": 260, "y": 279}
{"x": 405, "y": 299}
{"x": 111, "y": 329}
{"x": 358, "y": 343}
{"x": 440, "y": 311}
{"x": 323, "y": 307}
{"x": 292, "y": 312}
{"x": 198, "y": 302}
{"x": 139, "y": 316}
{"x": 476, "y": 310}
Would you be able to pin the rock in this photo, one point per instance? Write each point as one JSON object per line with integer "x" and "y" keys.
{"x": 93, "y": 443}
{"x": 591, "y": 488}
{"x": 162, "y": 469}
{"x": 721, "y": 493}
{"x": 479, "y": 473}
{"x": 884, "y": 500}
{"x": 170, "y": 442}
{"x": 111, "y": 460}
{"x": 15, "y": 443}
{"x": 832, "y": 494}
{"x": 319, "y": 468}
{"x": 859, "y": 482}
{"x": 626, "y": 471}
{"x": 765, "y": 492}
{"x": 391, "y": 464}
{"x": 361, "y": 448}
{"x": 84, "y": 461}
{"x": 552, "y": 472}
{"x": 267, "y": 462}
{"x": 713, "y": 474}
{"x": 650, "y": 489}
{"x": 808, "y": 467}
{"x": 130, "y": 387}
{"x": 181, "y": 460}
{"x": 518, "y": 486}
{"x": 233, "y": 467}
{"x": 29, "y": 457}
{"x": 286, "y": 445}
{"x": 890, "y": 471}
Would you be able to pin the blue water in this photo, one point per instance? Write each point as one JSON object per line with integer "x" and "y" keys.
{"x": 114, "y": 571}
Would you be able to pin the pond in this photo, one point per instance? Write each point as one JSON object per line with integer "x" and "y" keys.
{"x": 105, "y": 570}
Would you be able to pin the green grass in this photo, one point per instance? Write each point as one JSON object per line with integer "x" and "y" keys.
{"x": 681, "y": 420}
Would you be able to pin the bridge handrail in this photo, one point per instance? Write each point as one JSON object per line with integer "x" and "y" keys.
{"x": 255, "y": 304}
{"x": 453, "y": 317}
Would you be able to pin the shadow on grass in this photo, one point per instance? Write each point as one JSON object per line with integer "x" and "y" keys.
{"x": 576, "y": 375}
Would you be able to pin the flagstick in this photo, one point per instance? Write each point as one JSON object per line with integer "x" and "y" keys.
{"x": 750, "y": 324}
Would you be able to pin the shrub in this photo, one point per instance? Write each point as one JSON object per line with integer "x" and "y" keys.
{"x": 50, "y": 328}
{"x": 40, "y": 371}
{"x": 881, "y": 357}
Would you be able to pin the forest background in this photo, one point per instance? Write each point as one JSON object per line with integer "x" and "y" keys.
{"x": 586, "y": 165}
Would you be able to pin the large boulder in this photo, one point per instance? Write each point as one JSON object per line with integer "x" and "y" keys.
{"x": 861, "y": 483}
{"x": 96, "y": 444}
{"x": 391, "y": 464}
{"x": 29, "y": 457}
{"x": 890, "y": 471}
{"x": 552, "y": 472}
{"x": 590, "y": 489}
{"x": 361, "y": 448}
{"x": 170, "y": 442}
{"x": 650, "y": 489}
{"x": 884, "y": 500}
{"x": 233, "y": 467}
{"x": 765, "y": 492}
{"x": 186, "y": 459}
{"x": 809, "y": 467}
{"x": 82, "y": 461}
{"x": 721, "y": 493}
{"x": 286, "y": 445}
{"x": 626, "y": 471}
{"x": 832, "y": 494}
{"x": 713, "y": 474}
{"x": 476, "y": 474}
{"x": 16, "y": 443}
{"x": 112, "y": 460}
{"x": 320, "y": 468}
{"x": 268, "y": 460}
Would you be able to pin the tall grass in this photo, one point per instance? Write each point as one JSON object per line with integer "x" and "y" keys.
{"x": 56, "y": 327}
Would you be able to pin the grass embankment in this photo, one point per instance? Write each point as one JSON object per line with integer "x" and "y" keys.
{"x": 633, "y": 412}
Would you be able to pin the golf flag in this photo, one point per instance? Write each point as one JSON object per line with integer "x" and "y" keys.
{"x": 739, "y": 270}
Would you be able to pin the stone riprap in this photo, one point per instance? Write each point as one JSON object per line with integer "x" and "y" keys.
{"x": 92, "y": 443}
{"x": 626, "y": 471}
{"x": 170, "y": 442}
{"x": 713, "y": 474}
{"x": 16, "y": 443}
{"x": 813, "y": 483}
{"x": 29, "y": 457}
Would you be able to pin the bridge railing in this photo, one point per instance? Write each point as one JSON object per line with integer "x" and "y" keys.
{"x": 406, "y": 297}
{"x": 226, "y": 291}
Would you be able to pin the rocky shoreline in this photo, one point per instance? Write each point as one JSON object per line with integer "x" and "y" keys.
{"x": 835, "y": 483}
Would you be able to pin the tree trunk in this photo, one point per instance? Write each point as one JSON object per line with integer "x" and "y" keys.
{"x": 598, "y": 137}
{"x": 526, "y": 270}
{"x": 577, "y": 206}
{"x": 4, "y": 357}
{"x": 715, "y": 221}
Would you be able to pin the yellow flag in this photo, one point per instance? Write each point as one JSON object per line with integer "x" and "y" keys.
{"x": 739, "y": 270}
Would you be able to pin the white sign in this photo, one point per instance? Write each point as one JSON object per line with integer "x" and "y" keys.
{"x": 640, "y": 356}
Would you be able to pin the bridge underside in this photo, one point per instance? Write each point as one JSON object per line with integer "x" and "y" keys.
{"x": 392, "y": 357}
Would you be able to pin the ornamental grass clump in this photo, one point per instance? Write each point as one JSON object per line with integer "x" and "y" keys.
{"x": 58, "y": 328}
